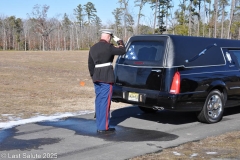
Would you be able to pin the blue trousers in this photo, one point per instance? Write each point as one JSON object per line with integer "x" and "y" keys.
{"x": 103, "y": 93}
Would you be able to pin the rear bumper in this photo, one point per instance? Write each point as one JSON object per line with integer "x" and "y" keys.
{"x": 193, "y": 101}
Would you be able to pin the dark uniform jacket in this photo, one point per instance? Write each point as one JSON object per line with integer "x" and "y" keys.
{"x": 101, "y": 53}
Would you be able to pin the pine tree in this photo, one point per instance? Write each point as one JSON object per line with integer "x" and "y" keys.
{"x": 79, "y": 14}
{"x": 117, "y": 13}
{"x": 90, "y": 11}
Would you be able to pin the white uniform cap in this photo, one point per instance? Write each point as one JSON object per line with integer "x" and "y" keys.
{"x": 107, "y": 31}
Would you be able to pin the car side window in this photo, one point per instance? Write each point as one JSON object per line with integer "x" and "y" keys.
{"x": 235, "y": 55}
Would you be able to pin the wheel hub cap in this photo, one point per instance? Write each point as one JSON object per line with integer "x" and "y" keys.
{"x": 214, "y": 106}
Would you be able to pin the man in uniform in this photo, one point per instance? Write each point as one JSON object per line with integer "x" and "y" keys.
{"x": 100, "y": 67}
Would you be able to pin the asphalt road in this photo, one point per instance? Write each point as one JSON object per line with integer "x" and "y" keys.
{"x": 137, "y": 134}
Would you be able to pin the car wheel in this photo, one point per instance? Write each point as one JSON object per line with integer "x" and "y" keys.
{"x": 212, "y": 111}
{"x": 147, "y": 110}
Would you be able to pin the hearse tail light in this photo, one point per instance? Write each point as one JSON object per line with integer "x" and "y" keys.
{"x": 175, "y": 87}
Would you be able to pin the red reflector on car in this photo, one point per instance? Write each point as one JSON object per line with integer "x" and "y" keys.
{"x": 138, "y": 62}
{"x": 175, "y": 87}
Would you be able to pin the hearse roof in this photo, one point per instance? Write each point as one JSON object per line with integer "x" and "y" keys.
{"x": 181, "y": 48}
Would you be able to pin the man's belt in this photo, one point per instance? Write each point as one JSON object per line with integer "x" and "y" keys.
{"x": 103, "y": 65}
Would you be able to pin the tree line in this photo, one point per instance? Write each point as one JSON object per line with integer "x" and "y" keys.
{"x": 205, "y": 18}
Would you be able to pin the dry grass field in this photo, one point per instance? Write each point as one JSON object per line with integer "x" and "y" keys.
{"x": 45, "y": 83}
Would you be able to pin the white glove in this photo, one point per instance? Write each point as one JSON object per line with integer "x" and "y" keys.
{"x": 116, "y": 39}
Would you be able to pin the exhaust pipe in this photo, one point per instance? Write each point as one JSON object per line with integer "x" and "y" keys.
{"x": 114, "y": 100}
{"x": 158, "y": 108}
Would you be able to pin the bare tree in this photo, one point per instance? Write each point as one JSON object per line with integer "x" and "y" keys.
{"x": 215, "y": 17}
{"x": 155, "y": 4}
{"x": 79, "y": 13}
{"x": 26, "y": 27}
{"x": 231, "y": 19}
{"x": 126, "y": 16}
{"x": 3, "y": 29}
{"x": 197, "y": 3}
{"x": 42, "y": 25}
{"x": 223, "y": 4}
{"x": 204, "y": 17}
{"x": 209, "y": 17}
{"x": 140, "y": 4}
{"x": 190, "y": 18}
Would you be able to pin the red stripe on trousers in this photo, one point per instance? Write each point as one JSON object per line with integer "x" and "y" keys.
{"x": 108, "y": 106}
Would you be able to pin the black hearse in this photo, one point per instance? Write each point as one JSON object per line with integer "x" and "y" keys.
{"x": 179, "y": 73}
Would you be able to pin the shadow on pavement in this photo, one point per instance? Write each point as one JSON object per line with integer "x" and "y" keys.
{"x": 165, "y": 117}
{"x": 231, "y": 111}
{"x": 87, "y": 127}
{"x": 83, "y": 127}
{"x": 8, "y": 142}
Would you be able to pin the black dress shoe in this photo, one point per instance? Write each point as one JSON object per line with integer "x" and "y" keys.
{"x": 110, "y": 130}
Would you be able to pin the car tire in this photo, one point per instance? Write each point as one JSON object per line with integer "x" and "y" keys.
{"x": 213, "y": 108}
{"x": 147, "y": 110}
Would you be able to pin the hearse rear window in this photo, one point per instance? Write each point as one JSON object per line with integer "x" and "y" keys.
{"x": 145, "y": 51}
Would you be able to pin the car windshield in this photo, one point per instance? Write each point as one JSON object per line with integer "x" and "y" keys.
{"x": 144, "y": 51}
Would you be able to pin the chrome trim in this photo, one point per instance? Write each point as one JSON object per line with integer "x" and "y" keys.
{"x": 210, "y": 72}
{"x": 234, "y": 88}
{"x": 156, "y": 70}
{"x": 184, "y": 93}
{"x": 139, "y": 66}
{"x": 168, "y": 67}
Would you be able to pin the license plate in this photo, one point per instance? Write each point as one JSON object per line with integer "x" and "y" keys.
{"x": 133, "y": 96}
